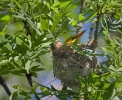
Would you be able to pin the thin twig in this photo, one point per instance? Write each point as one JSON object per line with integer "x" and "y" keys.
{"x": 81, "y": 8}
{"x": 29, "y": 78}
{"x": 51, "y": 81}
{"x": 2, "y": 82}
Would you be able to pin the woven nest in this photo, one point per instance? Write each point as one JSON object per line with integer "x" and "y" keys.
{"x": 68, "y": 64}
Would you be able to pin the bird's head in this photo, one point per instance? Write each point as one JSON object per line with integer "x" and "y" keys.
{"x": 73, "y": 38}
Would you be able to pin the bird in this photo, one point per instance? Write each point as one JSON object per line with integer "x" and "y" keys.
{"x": 69, "y": 41}
{"x": 68, "y": 62}
{"x": 73, "y": 38}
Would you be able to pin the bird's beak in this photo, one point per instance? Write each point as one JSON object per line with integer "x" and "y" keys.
{"x": 81, "y": 33}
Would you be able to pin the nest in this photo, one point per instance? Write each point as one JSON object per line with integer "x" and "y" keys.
{"x": 68, "y": 64}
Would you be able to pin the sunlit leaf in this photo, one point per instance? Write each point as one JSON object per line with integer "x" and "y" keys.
{"x": 44, "y": 24}
{"x": 81, "y": 17}
{"x": 27, "y": 65}
{"x": 73, "y": 22}
{"x": 5, "y": 18}
{"x": 55, "y": 6}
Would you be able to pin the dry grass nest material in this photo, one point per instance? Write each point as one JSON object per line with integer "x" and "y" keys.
{"x": 68, "y": 64}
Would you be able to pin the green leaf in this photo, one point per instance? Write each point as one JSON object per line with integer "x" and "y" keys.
{"x": 119, "y": 31}
{"x": 34, "y": 88}
{"x": 107, "y": 49}
{"x": 16, "y": 64}
{"x": 55, "y": 6}
{"x": 57, "y": 20}
{"x": 15, "y": 86}
{"x": 116, "y": 41}
{"x": 28, "y": 97}
{"x": 112, "y": 68}
{"x": 21, "y": 48}
{"x": 39, "y": 40}
{"x": 119, "y": 69}
{"x": 73, "y": 22}
{"x": 105, "y": 33}
{"x": 44, "y": 24}
{"x": 45, "y": 91}
{"x": 90, "y": 16}
{"x": 65, "y": 4}
{"x": 33, "y": 26}
{"x": 19, "y": 72}
{"x": 57, "y": 3}
{"x": 2, "y": 33}
{"x": 27, "y": 65}
{"x": 23, "y": 93}
{"x": 113, "y": 44}
{"x": 36, "y": 68}
{"x": 109, "y": 91}
{"x": 18, "y": 5}
{"x": 80, "y": 17}
{"x": 20, "y": 16}
{"x": 3, "y": 25}
{"x": 38, "y": 7}
{"x": 5, "y": 18}
{"x": 46, "y": 43}
{"x": 13, "y": 96}
{"x": 34, "y": 74}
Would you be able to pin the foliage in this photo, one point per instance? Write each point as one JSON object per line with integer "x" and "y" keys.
{"x": 106, "y": 86}
{"x": 42, "y": 22}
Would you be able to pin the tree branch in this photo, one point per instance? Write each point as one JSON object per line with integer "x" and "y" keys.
{"x": 97, "y": 26}
{"x": 2, "y": 82}
{"x": 82, "y": 5}
{"x": 91, "y": 31}
{"x": 29, "y": 78}
{"x": 81, "y": 8}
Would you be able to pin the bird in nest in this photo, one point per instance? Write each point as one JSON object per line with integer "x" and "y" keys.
{"x": 73, "y": 38}
{"x": 70, "y": 40}
{"x": 68, "y": 63}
